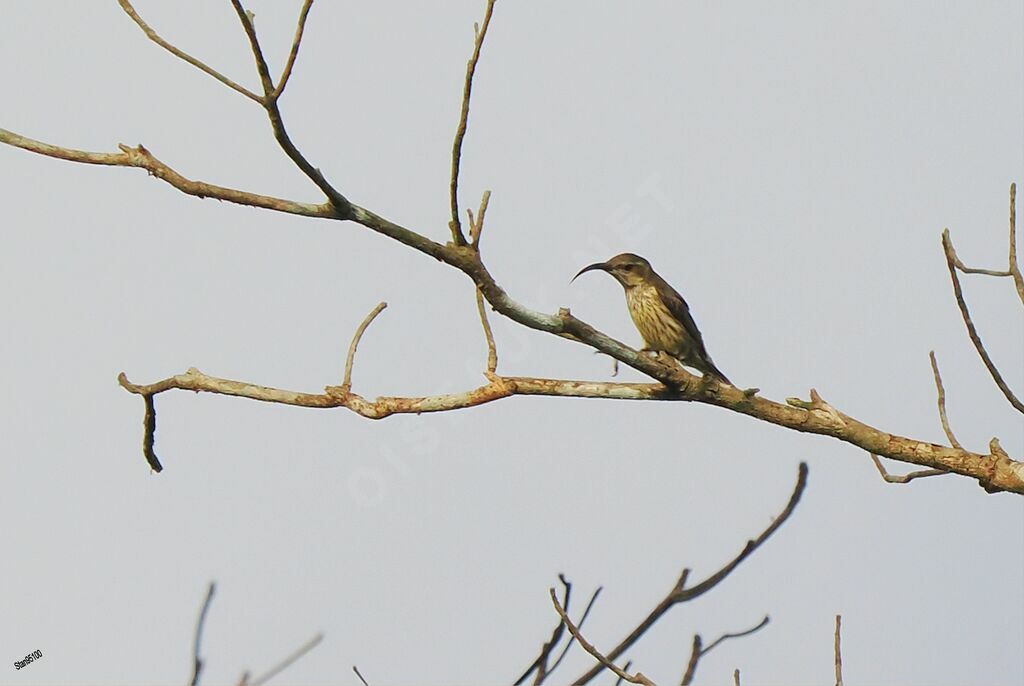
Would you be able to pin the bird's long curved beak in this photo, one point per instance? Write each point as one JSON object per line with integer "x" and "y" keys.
{"x": 591, "y": 267}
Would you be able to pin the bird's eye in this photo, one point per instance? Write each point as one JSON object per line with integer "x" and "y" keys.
{"x": 628, "y": 267}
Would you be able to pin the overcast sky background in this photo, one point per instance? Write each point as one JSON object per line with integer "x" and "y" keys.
{"x": 789, "y": 167}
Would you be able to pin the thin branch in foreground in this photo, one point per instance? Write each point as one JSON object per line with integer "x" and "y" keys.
{"x": 637, "y": 678}
{"x": 941, "y": 392}
{"x": 541, "y": 663}
{"x": 288, "y": 661}
{"x": 625, "y": 668}
{"x": 197, "y": 662}
{"x": 699, "y": 650}
{"x": 347, "y": 382}
{"x": 286, "y": 73}
{"x": 460, "y": 131}
{"x": 839, "y": 654}
{"x": 579, "y": 625}
{"x": 153, "y": 36}
{"x": 906, "y": 478}
{"x": 951, "y": 260}
{"x": 356, "y": 670}
{"x": 680, "y": 593}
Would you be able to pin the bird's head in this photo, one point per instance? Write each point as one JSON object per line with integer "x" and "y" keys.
{"x": 628, "y": 269}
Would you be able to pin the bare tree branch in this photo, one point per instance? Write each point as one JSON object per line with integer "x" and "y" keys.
{"x": 680, "y": 593}
{"x": 346, "y": 384}
{"x": 637, "y": 678}
{"x": 839, "y": 654}
{"x": 356, "y": 670}
{"x": 143, "y": 159}
{"x": 197, "y": 662}
{"x": 1013, "y": 267}
{"x": 579, "y": 625}
{"x": 286, "y": 73}
{"x": 460, "y": 131}
{"x": 540, "y": 665}
{"x": 951, "y": 260}
{"x": 906, "y": 478}
{"x": 152, "y": 35}
{"x": 269, "y": 101}
{"x": 941, "y": 392}
{"x": 699, "y": 650}
{"x": 288, "y": 661}
{"x": 994, "y": 472}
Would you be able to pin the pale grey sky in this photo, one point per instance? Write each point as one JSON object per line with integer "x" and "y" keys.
{"x": 789, "y": 167}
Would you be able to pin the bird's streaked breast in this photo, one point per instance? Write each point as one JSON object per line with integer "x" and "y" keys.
{"x": 660, "y": 330}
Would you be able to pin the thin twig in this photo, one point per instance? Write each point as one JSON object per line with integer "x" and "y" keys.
{"x": 625, "y": 668}
{"x": 951, "y": 260}
{"x": 142, "y": 158}
{"x": 476, "y": 224}
{"x": 540, "y": 665}
{"x": 583, "y": 619}
{"x": 152, "y": 35}
{"x": 356, "y": 670}
{"x": 288, "y": 661}
{"x": 637, "y": 678}
{"x": 460, "y": 131}
{"x": 492, "y": 350}
{"x": 699, "y": 650}
{"x": 680, "y": 593}
{"x": 839, "y": 654}
{"x": 286, "y": 73}
{"x": 347, "y": 383}
{"x": 941, "y": 391}
{"x": 476, "y": 227}
{"x": 736, "y": 677}
{"x": 1018, "y": 278}
{"x": 906, "y": 478}
{"x": 149, "y": 433}
{"x": 341, "y": 205}
{"x": 197, "y": 662}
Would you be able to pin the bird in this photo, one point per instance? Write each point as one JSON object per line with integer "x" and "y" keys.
{"x": 660, "y": 314}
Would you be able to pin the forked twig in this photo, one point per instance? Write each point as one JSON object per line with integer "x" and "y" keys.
{"x": 460, "y": 131}
{"x": 699, "y": 650}
{"x": 583, "y": 619}
{"x": 680, "y": 593}
{"x": 342, "y": 207}
{"x": 941, "y": 392}
{"x": 347, "y": 382}
{"x": 637, "y": 678}
{"x": 951, "y": 262}
{"x": 540, "y": 664}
